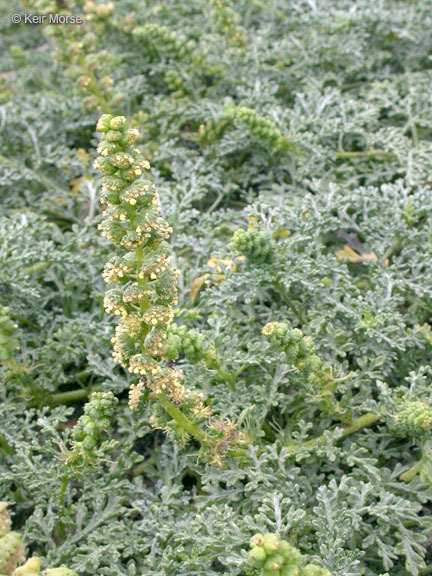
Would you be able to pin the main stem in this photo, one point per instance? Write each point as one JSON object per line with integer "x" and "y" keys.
{"x": 193, "y": 429}
{"x": 358, "y": 424}
{"x": 72, "y": 395}
{"x": 366, "y": 154}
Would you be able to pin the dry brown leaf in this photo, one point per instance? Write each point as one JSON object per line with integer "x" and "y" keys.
{"x": 347, "y": 253}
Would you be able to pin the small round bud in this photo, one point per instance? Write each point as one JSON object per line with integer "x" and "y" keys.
{"x": 103, "y": 124}
{"x": 118, "y": 123}
{"x": 289, "y": 551}
{"x": 256, "y": 540}
{"x": 271, "y": 543}
{"x": 274, "y": 563}
{"x": 113, "y": 136}
{"x": 257, "y": 555}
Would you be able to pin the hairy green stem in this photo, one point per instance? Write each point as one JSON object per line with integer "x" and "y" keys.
{"x": 352, "y": 85}
{"x": 5, "y": 446}
{"x": 288, "y": 301}
{"x": 392, "y": 249}
{"x": 26, "y": 322}
{"x": 140, "y": 468}
{"x": 415, "y": 136}
{"x": 362, "y": 155}
{"x": 37, "y": 267}
{"x": 63, "y": 488}
{"x": 184, "y": 422}
{"x": 72, "y": 396}
{"x": 358, "y": 424}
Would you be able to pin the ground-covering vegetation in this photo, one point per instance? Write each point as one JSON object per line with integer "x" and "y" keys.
{"x": 245, "y": 187}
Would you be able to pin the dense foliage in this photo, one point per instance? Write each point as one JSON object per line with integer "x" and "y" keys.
{"x": 280, "y": 382}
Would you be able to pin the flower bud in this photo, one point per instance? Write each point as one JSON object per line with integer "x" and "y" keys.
{"x": 30, "y": 568}
{"x": 114, "y": 136}
{"x": 4, "y": 519}
{"x": 11, "y": 552}
{"x": 118, "y": 123}
{"x": 103, "y": 124}
{"x": 256, "y": 540}
{"x": 270, "y": 543}
{"x": 274, "y": 563}
{"x": 257, "y": 555}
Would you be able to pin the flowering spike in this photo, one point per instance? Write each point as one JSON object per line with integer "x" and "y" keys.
{"x": 256, "y": 245}
{"x": 4, "y": 519}
{"x": 413, "y": 418}
{"x": 146, "y": 282}
{"x": 272, "y": 556}
{"x": 8, "y": 340}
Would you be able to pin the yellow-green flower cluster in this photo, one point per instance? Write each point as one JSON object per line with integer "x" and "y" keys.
{"x": 256, "y": 245}
{"x": 298, "y": 348}
{"x": 299, "y": 351}
{"x": 260, "y": 128}
{"x": 5, "y": 522}
{"x": 275, "y": 557}
{"x": 8, "y": 341}
{"x": 226, "y": 21}
{"x": 413, "y": 418}
{"x": 98, "y": 12}
{"x": 11, "y": 548}
{"x": 224, "y": 439}
{"x": 165, "y": 41}
{"x": 77, "y": 45}
{"x": 212, "y": 130}
{"x": 12, "y": 553}
{"x": 146, "y": 283}
{"x": 182, "y": 340}
{"x": 175, "y": 83}
{"x": 32, "y": 568}
{"x": 89, "y": 431}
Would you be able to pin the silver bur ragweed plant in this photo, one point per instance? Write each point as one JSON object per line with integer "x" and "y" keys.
{"x": 298, "y": 359}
